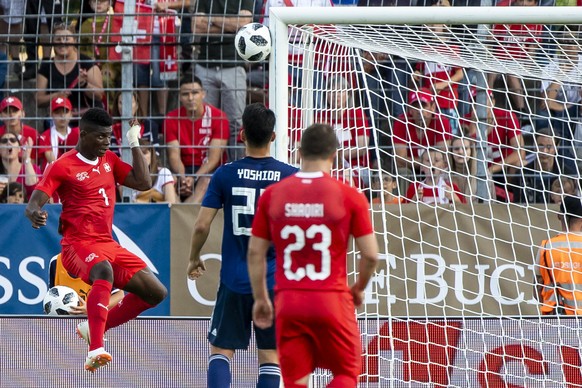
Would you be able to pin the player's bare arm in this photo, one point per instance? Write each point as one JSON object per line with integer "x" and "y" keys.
{"x": 368, "y": 247}
{"x": 34, "y": 212}
{"x": 139, "y": 177}
{"x": 201, "y": 230}
{"x": 257, "y": 263}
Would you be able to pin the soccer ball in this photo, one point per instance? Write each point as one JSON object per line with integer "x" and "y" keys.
{"x": 59, "y": 299}
{"x": 253, "y": 42}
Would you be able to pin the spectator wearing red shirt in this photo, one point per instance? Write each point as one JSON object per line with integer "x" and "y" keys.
{"x": 516, "y": 42}
{"x": 196, "y": 135}
{"x": 505, "y": 143}
{"x": 11, "y": 114}
{"x": 442, "y": 79}
{"x": 436, "y": 187}
{"x": 60, "y": 138}
{"x": 415, "y": 131}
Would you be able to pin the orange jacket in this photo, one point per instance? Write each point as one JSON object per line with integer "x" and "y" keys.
{"x": 560, "y": 270}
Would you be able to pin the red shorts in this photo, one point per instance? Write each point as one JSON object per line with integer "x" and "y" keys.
{"x": 78, "y": 259}
{"x": 317, "y": 330}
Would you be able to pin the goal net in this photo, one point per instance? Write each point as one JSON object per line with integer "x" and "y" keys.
{"x": 461, "y": 127}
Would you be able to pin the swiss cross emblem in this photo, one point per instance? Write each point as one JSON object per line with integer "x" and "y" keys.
{"x": 107, "y": 167}
{"x": 59, "y": 100}
{"x": 10, "y": 99}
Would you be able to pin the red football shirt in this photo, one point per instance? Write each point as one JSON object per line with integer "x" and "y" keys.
{"x": 194, "y": 136}
{"x": 404, "y": 132}
{"x": 51, "y": 139}
{"x": 310, "y": 217}
{"x": 514, "y": 39}
{"x": 505, "y": 127}
{"x": 352, "y": 124}
{"x": 87, "y": 191}
{"x": 433, "y": 73}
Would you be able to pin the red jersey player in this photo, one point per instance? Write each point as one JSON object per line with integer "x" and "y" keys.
{"x": 310, "y": 217}
{"x": 85, "y": 179}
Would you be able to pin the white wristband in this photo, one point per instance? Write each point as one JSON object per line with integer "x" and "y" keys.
{"x": 133, "y": 136}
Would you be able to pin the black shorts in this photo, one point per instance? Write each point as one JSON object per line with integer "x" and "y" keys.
{"x": 232, "y": 318}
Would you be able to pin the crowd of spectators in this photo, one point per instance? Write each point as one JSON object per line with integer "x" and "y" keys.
{"x": 67, "y": 54}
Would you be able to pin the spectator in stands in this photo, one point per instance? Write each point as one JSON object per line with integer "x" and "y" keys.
{"x": 506, "y": 150}
{"x": 218, "y": 65}
{"x": 516, "y": 42}
{"x": 196, "y": 135}
{"x": 561, "y": 102}
{"x": 463, "y": 166}
{"x": 60, "y": 137}
{"x": 563, "y": 186}
{"x": 16, "y": 163}
{"x": 349, "y": 122}
{"x": 435, "y": 188}
{"x": 182, "y": 7}
{"x": 162, "y": 179}
{"x": 94, "y": 39}
{"x": 69, "y": 74}
{"x": 11, "y": 114}
{"x": 557, "y": 267}
{"x": 420, "y": 128}
{"x": 41, "y": 15}
{"x": 13, "y": 192}
{"x": 149, "y": 128}
{"x": 11, "y": 29}
{"x": 442, "y": 79}
{"x": 385, "y": 188}
{"x": 534, "y": 183}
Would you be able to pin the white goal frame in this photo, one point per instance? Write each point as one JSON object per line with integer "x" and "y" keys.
{"x": 281, "y": 17}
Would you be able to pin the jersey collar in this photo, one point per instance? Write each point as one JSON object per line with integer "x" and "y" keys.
{"x": 84, "y": 159}
{"x": 315, "y": 174}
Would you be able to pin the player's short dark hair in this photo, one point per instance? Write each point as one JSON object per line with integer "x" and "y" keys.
{"x": 318, "y": 141}
{"x": 259, "y": 124}
{"x": 189, "y": 78}
{"x": 95, "y": 118}
{"x": 571, "y": 207}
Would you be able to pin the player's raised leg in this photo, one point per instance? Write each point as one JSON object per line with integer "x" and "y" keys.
{"x": 144, "y": 291}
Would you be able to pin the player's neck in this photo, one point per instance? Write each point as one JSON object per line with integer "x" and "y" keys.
{"x": 262, "y": 152}
{"x": 316, "y": 165}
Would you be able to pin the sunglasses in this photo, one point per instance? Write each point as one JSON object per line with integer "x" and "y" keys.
{"x": 5, "y": 140}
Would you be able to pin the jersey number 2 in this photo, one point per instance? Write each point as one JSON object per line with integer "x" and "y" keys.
{"x": 247, "y": 209}
{"x": 322, "y": 247}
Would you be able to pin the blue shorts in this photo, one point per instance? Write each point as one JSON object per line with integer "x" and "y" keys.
{"x": 230, "y": 327}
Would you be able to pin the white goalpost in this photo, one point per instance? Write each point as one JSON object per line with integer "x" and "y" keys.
{"x": 463, "y": 132}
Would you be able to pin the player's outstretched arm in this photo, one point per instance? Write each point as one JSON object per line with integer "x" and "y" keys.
{"x": 201, "y": 230}
{"x": 368, "y": 247}
{"x": 34, "y": 212}
{"x": 139, "y": 177}
{"x": 257, "y": 263}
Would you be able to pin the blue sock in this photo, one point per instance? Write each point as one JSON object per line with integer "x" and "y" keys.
{"x": 218, "y": 375}
{"x": 269, "y": 376}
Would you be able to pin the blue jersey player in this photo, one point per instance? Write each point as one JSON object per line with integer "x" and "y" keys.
{"x": 236, "y": 187}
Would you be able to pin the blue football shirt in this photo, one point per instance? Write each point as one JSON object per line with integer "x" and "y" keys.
{"x": 236, "y": 187}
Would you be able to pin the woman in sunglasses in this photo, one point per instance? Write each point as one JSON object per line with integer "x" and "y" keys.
{"x": 15, "y": 162}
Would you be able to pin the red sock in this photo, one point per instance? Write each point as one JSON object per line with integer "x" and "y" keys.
{"x": 128, "y": 308}
{"x": 97, "y": 302}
